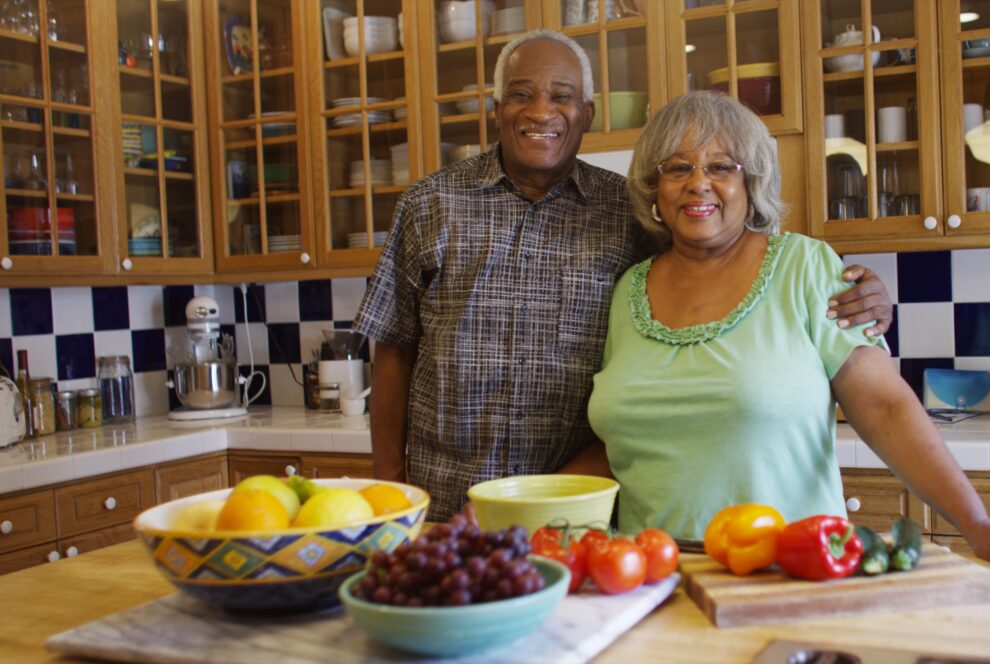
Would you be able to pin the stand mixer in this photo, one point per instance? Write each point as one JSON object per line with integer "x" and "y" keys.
{"x": 341, "y": 369}
{"x": 206, "y": 379}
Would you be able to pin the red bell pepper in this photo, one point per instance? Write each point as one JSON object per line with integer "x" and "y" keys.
{"x": 819, "y": 547}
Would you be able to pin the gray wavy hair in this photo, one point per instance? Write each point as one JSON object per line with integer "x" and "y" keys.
{"x": 707, "y": 115}
{"x": 587, "y": 82}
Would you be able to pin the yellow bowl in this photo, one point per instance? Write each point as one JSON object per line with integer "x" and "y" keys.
{"x": 627, "y": 109}
{"x": 534, "y": 500}
{"x": 292, "y": 569}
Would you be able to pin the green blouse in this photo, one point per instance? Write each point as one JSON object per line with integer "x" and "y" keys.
{"x": 736, "y": 410}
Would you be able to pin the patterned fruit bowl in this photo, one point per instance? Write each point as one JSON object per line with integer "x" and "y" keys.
{"x": 294, "y": 569}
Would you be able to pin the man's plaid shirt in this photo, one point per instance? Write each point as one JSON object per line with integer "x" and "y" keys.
{"x": 506, "y": 302}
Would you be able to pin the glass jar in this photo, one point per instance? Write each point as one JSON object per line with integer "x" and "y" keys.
{"x": 89, "y": 408}
{"x": 65, "y": 411}
{"x": 44, "y": 405}
{"x": 116, "y": 388}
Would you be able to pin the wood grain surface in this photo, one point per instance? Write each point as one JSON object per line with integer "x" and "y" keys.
{"x": 942, "y": 579}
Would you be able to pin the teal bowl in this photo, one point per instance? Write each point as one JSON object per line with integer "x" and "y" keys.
{"x": 448, "y": 631}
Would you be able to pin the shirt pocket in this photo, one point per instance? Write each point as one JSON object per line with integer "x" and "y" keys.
{"x": 583, "y": 322}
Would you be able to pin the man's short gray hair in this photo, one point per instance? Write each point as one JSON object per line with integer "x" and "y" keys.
{"x": 587, "y": 82}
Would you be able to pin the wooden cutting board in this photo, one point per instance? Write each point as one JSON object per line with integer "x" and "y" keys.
{"x": 942, "y": 579}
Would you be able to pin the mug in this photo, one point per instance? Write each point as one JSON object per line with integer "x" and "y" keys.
{"x": 892, "y": 124}
{"x": 972, "y": 116}
{"x": 835, "y": 125}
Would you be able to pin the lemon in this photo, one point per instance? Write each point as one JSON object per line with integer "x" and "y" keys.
{"x": 276, "y": 487}
{"x": 334, "y": 507}
{"x": 252, "y": 509}
{"x": 199, "y": 516}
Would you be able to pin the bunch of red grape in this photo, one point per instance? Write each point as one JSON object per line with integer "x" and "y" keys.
{"x": 453, "y": 564}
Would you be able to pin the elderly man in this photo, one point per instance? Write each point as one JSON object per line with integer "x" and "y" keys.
{"x": 489, "y": 304}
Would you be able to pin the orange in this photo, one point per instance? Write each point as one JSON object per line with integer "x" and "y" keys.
{"x": 252, "y": 509}
{"x": 385, "y": 498}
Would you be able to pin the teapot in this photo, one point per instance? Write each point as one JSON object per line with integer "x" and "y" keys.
{"x": 851, "y": 61}
{"x": 13, "y": 422}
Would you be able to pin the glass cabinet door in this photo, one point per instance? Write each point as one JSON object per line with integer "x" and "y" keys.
{"x": 262, "y": 215}
{"x": 165, "y": 185}
{"x": 965, "y": 60}
{"x": 746, "y": 48}
{"x": 366, "y": 106}
{"x": 873, "y": 133}
{"x": 616, "y": 34}
{"x": 49, "y": 201}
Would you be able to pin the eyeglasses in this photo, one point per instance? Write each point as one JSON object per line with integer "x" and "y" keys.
{"x": 717, "y": 171}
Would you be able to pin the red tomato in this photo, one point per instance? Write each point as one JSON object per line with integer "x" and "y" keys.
{"x": 661, "y": 553}
{"x": 547, "y": 542}
{"x": 617, "y": 567}
{"x": 593, "y": 538}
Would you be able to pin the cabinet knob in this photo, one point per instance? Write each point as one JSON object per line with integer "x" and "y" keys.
{"x": 71, "y": 552}
{"x": 853, "y": 504}
{"x": 954, "y": 221}
{"x": 53, "y": 556}
{"x": 304, "y": 258}
{"x": 127, "y": 263}
{"x": 110, "y": 503}
{"x": 290, "y": 470}
{"x": 6, "y": 263}
{"x": 7, "y": 527}
{"x": 930, "y": 223}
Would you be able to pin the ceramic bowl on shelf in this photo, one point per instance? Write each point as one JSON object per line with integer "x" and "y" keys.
{"x": 380, "y": 35}
{"x": 293, "y": 569}
{"x": 457, "y": 19}
{"x": 758, "y": 84}
{"x": 534, "y": 500}
{"x": 627, "y": 109}
{"x": 447, "y": 631}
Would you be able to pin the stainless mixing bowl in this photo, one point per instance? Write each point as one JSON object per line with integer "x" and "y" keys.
{"x": 206, "y": 384}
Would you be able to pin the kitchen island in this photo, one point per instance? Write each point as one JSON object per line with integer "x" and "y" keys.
{"x": 42, "y": 601}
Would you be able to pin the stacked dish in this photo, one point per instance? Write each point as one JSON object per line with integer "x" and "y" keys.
{"x": 400, "y": 163}
{"x": 360, "y": 240}
{"x": 508, "y": 21}
{"x": 471, "y": 105}
{"x": 457, "y": 19}
{"x": 354, "y": 119}
{"x": 380, "y": 35}
{"x": 133, "y": 144}
{"x": 29, "y": 231}
{"x": 271, "y": 129}
{"x": 144, "y": 246}
{"x": 381, "y": 172}
{"x": 281, "y": 243}
{"x": 464, "y": 151}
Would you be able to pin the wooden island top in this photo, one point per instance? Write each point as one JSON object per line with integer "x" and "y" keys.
{"x": 45, "y": 600}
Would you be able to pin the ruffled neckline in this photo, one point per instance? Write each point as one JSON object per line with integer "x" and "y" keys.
{"x": 653, "y": 329}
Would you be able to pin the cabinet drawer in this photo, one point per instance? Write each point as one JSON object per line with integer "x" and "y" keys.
{"x": 191, "y": 477}
{"x": 338, "y": 465}
{"x": 956, "y": 544}
{"x": 246, "y": 465}
{"x": 28, "y": 520}
{"x": 104, "y": 502}
{"x": 940, "y": 526}
{"x": 74, "y": 546}
{"x": 35, "y": 555}
{"x": 877, "y": 502}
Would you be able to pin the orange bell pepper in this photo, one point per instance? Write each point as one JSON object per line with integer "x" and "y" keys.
{"x": 744, "y": 537}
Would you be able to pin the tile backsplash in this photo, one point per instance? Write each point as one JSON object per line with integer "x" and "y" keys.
{"x": 942, "y": 319}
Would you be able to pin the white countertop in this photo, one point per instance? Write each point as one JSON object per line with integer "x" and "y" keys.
{"x": 83, "y": 453}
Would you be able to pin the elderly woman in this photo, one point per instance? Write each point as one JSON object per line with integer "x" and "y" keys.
{"x": 721, "y": 370}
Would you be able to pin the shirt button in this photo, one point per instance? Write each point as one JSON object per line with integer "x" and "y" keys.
{"x": 521, "y": 361}
{"x": 527, "y": 255}
{"x": 517, "y": 416}
{"x": 524, "y": 307}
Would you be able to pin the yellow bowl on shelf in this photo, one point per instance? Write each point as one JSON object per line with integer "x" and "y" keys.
{"x": 627, "y": 109}
{"x": 534, "y": 500}
{"x": 290, "y": 569}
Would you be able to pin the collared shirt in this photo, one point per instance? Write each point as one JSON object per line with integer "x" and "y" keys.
{"x": 506, "y": 302}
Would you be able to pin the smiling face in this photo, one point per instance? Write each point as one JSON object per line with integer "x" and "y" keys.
{"x": 542, "y": 116}
{"x": 699, "y": 212}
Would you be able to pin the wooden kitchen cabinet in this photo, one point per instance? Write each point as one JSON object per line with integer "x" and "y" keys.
{"x": 245, "y": 464}
{"x": 109, "y": 501}
{"x": 53, "y": 155}
{"x": 890, "y": 169}
{"x": 187, "y": 478}
{"x": 161, "y": 153}
{"x": 337, "y": 465}
{"x": 27, "y": 519}
{"x": 877, "y": 499}
{"x": 259, "y": 139}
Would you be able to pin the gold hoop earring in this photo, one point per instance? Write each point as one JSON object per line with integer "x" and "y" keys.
{"x": 653, "y": 213}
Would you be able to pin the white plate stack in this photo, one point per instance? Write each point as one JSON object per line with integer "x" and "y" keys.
{"x": 380, "y": 35}
{"x": 471, "y": 105}
{"x": 354, "y": 119}
{"x": 360, "y": 240}
{"x": 381, "y": 172}
{"x": 509, "y": 21}
{"x": 400, "y": 163}
{"x": 283, "y": 243}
